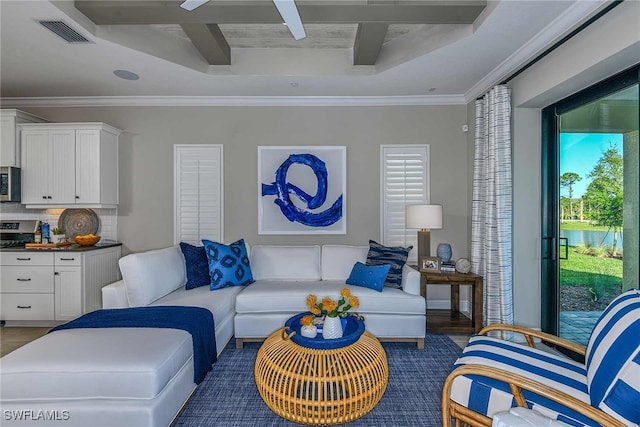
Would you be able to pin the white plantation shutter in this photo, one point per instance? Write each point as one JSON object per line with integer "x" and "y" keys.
{"x": 198, "y": 193}
{"x": 404, "y": 181}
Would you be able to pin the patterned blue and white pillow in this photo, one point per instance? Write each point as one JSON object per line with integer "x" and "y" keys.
{"x": 197, "y": 265}
{"x": 228, "y": 264}
{"x": 395, "y": 256}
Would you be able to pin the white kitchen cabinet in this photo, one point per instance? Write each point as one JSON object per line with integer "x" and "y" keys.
{"x": 68, "y": 292}
{"x": 48, "y": 175}
{"x": 26, "y": 286}
{"x": 10, "y": 134}
{"x": 69, "y": 165}
{"x": 67, "y": 279}
{"x": 53, "y": 286}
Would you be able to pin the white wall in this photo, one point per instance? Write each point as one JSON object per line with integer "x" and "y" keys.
{"x": 145, "y": 216}
{"x": 526, "y": 217}
{"x": 145, "y": 213}
{"x": 608, "y": 46}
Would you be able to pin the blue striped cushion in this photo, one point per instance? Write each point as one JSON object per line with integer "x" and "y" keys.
{"x": 613, "y": 359}
{"x": 395, "y": 256}
{"x": 489, "y": 397}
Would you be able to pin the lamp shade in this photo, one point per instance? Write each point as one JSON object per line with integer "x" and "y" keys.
{"x": 424, "y": 216}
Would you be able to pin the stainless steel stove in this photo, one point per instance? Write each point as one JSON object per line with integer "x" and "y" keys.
{"x": 15, "y": 234}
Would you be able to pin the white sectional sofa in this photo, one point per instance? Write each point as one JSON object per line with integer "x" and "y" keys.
{"x": 284, "y": 276}
{"x": 143, "y": 377}
{"x": 158, "y": 277}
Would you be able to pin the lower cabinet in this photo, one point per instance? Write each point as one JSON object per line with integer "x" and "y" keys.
{"x": 60, "y": 286}
{"x": 27, "y": 306}
{"x": 67, "y": 279}
{"x": 26, "y": 286}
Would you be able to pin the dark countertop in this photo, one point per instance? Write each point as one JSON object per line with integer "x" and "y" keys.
{"x": 71, "y": 248}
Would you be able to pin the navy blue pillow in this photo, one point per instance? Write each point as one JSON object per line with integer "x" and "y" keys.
{"x": 228, "y": 264}
{"x": 197, "y": 264}
{"x": 395, "y": 256}
{"x": 369, "y": 276}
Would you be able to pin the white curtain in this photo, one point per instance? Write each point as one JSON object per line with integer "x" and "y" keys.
{"x": 491, "y": 211}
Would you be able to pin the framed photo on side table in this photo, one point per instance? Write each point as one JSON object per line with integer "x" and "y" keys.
{"x": 430, "y": 264}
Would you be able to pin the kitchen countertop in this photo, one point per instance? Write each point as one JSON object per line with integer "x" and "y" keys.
{"x": 71, "y": 248}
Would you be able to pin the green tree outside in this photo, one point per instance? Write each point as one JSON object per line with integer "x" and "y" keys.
{"x": 605, "y": 193}
{"x": 567, "y": 180}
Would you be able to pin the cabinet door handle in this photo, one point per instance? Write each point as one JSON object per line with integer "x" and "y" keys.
{"x": 56, "y": 273}
{"x": 77, "y": 197}
{"x": 28, "y": 279}
{"x": 23, "y": 306}
{"x": 44, "y": 197}
{"x": 67, "y": 259}
{"x": 49, "y": 197}
{"x": 23, "y": 259}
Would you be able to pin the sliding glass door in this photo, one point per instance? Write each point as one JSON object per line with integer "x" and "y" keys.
{"x": 591, "y": 176}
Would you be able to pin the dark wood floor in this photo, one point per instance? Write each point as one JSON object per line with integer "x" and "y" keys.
{"x": 448, "y": 322}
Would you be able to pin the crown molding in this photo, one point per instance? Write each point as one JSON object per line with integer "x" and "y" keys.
{"x": 231, "y": 101}
{"x": 562, "y": 25}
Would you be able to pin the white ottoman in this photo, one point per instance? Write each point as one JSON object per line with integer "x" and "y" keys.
{"x": 98, "y": 377}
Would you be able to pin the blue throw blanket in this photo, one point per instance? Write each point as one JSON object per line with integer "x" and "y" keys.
{"x": 195, "y": 320}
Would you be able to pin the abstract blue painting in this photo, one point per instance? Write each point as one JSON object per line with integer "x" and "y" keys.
{"x": 301, "y": 190}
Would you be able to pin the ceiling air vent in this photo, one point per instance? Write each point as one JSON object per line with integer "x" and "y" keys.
{"x": 65, "y": 31}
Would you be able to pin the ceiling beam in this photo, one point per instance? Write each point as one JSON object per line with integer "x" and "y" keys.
{"x": 368, "y": 43}
{"x": 210, "y": 42}
{"x": 115, "y": 12}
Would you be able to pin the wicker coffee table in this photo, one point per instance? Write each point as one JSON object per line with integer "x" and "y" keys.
{"x": 321, "y": 386}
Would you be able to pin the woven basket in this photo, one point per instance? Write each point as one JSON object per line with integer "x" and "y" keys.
{"x": 321, "y": 387}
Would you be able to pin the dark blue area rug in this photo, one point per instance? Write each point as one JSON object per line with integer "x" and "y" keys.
{"x": 228, "y": 397}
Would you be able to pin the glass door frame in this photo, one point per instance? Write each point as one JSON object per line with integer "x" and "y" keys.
{"x": 550, "y": 188}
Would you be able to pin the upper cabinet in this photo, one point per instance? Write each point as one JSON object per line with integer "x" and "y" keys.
{"x": 69, "y": 165}
{"x": 10, "y": 135}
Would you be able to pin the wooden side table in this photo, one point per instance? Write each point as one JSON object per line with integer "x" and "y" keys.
{"x": 452, "y": 321}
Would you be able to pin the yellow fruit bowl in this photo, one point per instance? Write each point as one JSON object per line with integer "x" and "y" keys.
{"x": 87, "y": 239}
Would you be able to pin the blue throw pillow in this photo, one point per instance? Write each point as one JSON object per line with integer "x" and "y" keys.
{"x": 197, "y": 264}
{"x": 228, "y": 264}
{"x": 395, "y": 256}
{"x": 369, "y": 276}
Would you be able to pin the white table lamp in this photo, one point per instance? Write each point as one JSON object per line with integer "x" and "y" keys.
{"x": 424, "y": 217}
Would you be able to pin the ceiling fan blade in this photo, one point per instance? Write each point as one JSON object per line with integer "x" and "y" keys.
{"x": 192, "y": 4}
{"x": 291, "y": 17}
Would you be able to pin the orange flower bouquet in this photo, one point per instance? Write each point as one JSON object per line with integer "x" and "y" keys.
{"x": 330, "y": 308}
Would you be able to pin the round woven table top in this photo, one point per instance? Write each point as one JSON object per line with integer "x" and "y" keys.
{"x": 321, "y": 386}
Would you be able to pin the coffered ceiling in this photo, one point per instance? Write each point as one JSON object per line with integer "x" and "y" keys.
{"x": 361, "y": 25}
{"x": 446, "y": 50}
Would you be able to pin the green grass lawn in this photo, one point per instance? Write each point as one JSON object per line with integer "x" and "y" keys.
{"x": 576, "y": 225}
{"x": 590, "y": 271}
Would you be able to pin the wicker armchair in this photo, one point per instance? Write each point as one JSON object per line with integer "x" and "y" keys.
{"x": 493, "y": 375}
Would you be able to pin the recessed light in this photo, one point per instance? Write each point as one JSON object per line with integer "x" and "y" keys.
{"x": 127, "y": 75}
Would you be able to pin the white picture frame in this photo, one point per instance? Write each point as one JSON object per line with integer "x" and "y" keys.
{"x": 301, "y": 170}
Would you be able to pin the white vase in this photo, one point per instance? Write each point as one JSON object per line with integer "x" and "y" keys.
{"x": 58, "y": 238}
{"x": 332, "y": 328}
{"x": 309, "y": 331}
